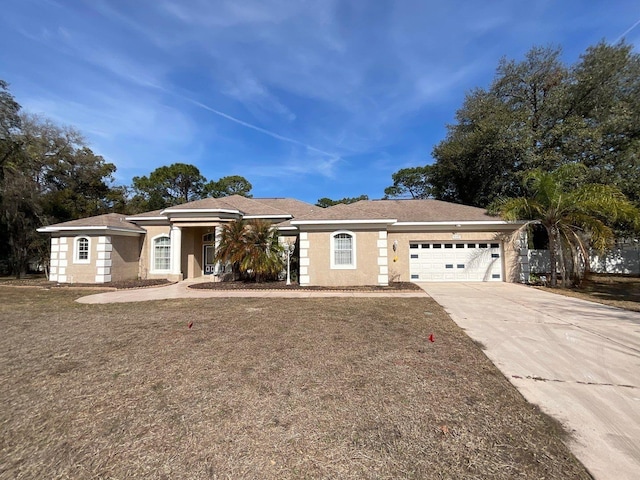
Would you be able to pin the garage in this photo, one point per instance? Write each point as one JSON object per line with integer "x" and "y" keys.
{"x": 455, "y": 262}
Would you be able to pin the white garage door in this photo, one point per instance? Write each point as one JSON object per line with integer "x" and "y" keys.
{"x": 455, "y": 262}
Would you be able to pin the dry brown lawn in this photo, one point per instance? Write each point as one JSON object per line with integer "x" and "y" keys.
{"x": 622, "y": 291}
{"x": 264, "y": 389}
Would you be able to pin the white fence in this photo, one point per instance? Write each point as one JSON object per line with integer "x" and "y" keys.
{"x": 624, "y": 258}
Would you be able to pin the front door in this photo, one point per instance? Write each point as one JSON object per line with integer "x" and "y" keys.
{"x": 208, "y": 254}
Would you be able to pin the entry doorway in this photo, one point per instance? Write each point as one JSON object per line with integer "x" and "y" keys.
{"x": 208, "y": 254}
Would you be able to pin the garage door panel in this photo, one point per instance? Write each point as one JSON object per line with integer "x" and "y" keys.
{"x": 468, "y": 261}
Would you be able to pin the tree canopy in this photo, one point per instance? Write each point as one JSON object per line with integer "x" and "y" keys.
{"x": 576, "y": 215}
{"x": 414, "y": 182}
{"x": 325, "y": 202}
{"x": 540, "y": 113}
{"x": 169, "y": 185}
{"x": 180, "y": 183}
{"x": 48, "y": 174}
{"x": 227, "y": 186}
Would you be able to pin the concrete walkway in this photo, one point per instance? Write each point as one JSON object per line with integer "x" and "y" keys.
{"x": 182, "y": 290}
{"x": 578, "y": 360}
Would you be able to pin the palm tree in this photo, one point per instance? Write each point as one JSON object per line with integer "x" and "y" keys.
{"x": 263, "y": 255}
{"x": 231, "y": 244}
{"x": 575, "y": 216}
{"x": 252, "y": 248}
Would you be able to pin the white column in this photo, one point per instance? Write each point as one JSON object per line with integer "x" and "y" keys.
{"x": 176, "y": 250}
{"x": 217, "y": 231}
{"x": 383, "y": 264}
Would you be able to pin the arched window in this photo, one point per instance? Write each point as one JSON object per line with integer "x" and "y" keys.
{"x": 81, "y": 250}
{"x": 343, "y": 250}
{"x": 161, "y": 253}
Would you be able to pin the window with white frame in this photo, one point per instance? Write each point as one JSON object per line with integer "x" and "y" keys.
{"x": 343, "y": 250}
{"x": 161, "y": 253}
{"x": 81, "y": 250}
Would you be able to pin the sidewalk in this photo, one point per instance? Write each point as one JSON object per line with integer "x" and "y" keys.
{"x": 182, "y": 290}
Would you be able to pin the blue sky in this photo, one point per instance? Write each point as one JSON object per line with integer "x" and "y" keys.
{"x": 305, "y": 99}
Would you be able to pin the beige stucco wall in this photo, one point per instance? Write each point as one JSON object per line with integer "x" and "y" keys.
{"x": 145, "y": 252}
{"x": 399, "y": 260}
{"x": 319, "y": 255}
{"x": 375, "y": 263}
{"x": 111, "y": 258}
{"x": 124, "y": 257}
{"x": 74, "y": 272}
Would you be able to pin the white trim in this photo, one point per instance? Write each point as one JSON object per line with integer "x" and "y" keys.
{"x": 102, "y": 278}
{"x": 133, "y": 219}
{"x": 461, "y": 223}
{"x": 343, "y": 222}
{"x": 304, "y": 270}
{"x": 252, "y": 217}
{"x": 104, "y": 247}
{"x": 52, "y": 229}
{"x": 304, "y": 262}
{"x": 152, "y": 254}
{"x": 383, "y": 280}
{"x": 304, "y": 236}
{"x": 304, "y": 252}
{"x": 304, "y": 244}
{"x": 382, "y": 234}
{"x": 200, "y": 210}
{"x": 304, "y": 280}
{"x": 353, "y": 264}
{"x": 383, "y": 261}
{"x": 62, "y": 279}
{"x": 76, "y": 250}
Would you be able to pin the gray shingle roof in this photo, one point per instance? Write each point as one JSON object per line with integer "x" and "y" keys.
{"x": 400, "y": 210}
{"x": 108, "y": 221}
{"x": 246, "y": 206}
{"x": 295, "y": 207}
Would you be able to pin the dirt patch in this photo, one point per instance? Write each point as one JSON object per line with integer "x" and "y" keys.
{"x": 393, "y": 287}
{"x": 622, "y": 291}
{"x": 258, "y": 388}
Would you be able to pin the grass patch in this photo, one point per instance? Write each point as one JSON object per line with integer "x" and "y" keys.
{"x": 622, "y": 291}
{"x": 258, "y": 388}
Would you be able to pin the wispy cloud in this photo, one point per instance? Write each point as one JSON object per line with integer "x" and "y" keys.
{"x": 320, "y": 94}
{"x": 627, "y": 31}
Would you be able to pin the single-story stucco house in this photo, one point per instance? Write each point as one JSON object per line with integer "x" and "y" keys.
{"x": 371, "y": 242}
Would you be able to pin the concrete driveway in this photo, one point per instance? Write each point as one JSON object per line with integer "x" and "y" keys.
{"x": 578, "y": 360}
